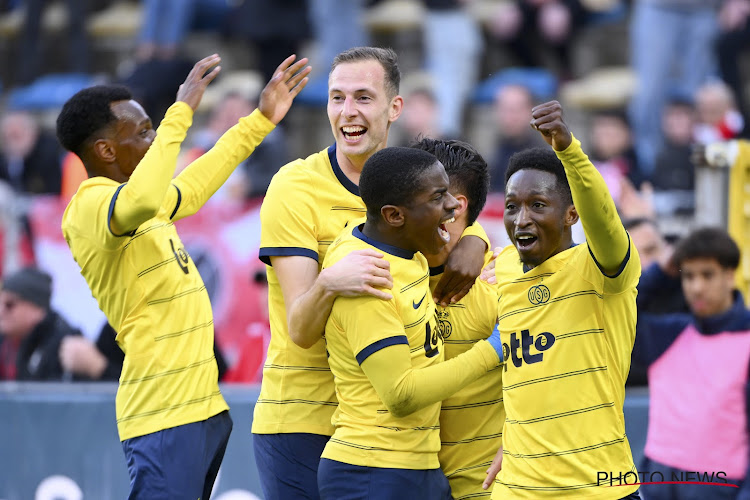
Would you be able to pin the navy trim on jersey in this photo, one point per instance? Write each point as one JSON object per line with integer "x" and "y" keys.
{"x": 265, "y": 253}
{"x": 112, "y": 209}
{"x": 434, "y": 271}
{"x": 380, "y": 344}
{"x": 622, "y": 266}
{"x": 179, "y": 200}
{"x": 343, "y": 179}
{"x": 398, "y": 252}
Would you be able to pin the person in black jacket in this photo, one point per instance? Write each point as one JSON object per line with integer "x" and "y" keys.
{"x": 30, "y": 332}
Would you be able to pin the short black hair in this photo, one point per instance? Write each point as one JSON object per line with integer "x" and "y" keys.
{"x": 86, "y": 113}
{"x": 543, "y": 159}
{"x": 467, "y": 170}
{"x": 386, "y": 57}
{"x": 392, "y": 177}
{"x": 708, "y": 243}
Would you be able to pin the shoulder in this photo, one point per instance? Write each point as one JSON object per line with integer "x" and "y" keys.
{"x": 302, "y": 170}
{"x": 92, "y": 194}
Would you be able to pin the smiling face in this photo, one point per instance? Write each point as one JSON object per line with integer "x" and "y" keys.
{"x": 708, "y": 287}
{"x": 431, "y": 208}
{"x": 133, "y": 135}
{"x": 360, "y": 110}
{"x": 536, "y": 217}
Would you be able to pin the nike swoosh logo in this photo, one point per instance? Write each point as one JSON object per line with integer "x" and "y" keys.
{"x": 416, "y": 305}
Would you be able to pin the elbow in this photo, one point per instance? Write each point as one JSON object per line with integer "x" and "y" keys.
{"x": 301, "y": 340}
{"x": 400, "y": 407}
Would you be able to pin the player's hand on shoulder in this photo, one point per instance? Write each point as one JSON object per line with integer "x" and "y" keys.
{"x": 279, "y": 93}
{"x": 547, "y": 119}
{"x": 362, "y": 272}
{"x": 191, "y": 91}
{"x": 488, "y": 273}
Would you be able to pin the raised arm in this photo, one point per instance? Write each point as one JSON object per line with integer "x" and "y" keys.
{"x": 142, "y": 196}
{"x": 203, "y": 177}
{"x": 605, "y": 235}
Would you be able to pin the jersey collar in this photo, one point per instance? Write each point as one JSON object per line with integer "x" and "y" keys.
{"x": 343, "y": 179}
{"x": 398, "y": 252}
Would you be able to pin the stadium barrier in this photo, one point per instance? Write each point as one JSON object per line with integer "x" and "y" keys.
{"x": 58, "y": 441}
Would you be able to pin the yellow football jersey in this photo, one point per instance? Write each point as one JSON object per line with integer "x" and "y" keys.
{"x": 471, "y": 421}
{"x": 307, "y": 205}
{"x": 366, "y": 433}
{"x": 567, "y": 334}
{"x": 169, "y": 376}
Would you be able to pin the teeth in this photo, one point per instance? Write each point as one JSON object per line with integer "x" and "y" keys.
{"x": 352, "y": 129}
{"x": 524, "y": 237}
{"x": 452, "y": 219}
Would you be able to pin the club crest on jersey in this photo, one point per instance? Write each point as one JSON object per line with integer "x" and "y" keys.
{"x": 181, "y": 256}
{"x": 443, "y": 323}
{"x": 539, "y": 294}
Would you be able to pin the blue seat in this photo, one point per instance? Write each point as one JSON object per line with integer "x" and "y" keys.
{"x": 49, "y": 92}
{"x": 541, "y": 83}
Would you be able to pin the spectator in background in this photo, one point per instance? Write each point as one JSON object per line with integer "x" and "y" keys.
{"x": 674, "y": 169}
{"x": 673, "y": 177}
{"x": 87, "y": 360}
{"x": 420, "y": 117}
{"x": 524, "y": 24}
{"x": 335, "y": 37}
{"x": 732, "y": 42}
{"x": 513, "y": 105}
{"x": 453, "y": 47}
{"x": 77, "y": 43}
{"x": 30, "y": 160}
{"x": 698, "y": 414}
{"x": 612, "y": 148}
{"x": 165, "y": 26}
{"x": 718, "y": 116}
{"x": 671, "y": 50}
{"x": 652, "y": 248}
{"x": 254, "y": 175}
{"x": 276, "y": 29}
{"x": 31, "y": 330}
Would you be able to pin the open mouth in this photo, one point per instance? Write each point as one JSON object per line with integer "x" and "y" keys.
{"x": 353, "y": 132}
{"x": 443, "y": 231}
{"x": 525, "y": 241}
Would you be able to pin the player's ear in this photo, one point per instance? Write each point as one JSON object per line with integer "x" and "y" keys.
{"x": 392, "y": 215}
{"x": 397, "y": 105}
{"x": 104, "y": 150}
{"x": 463, "y": 204}
{"x": 571, "y": 215}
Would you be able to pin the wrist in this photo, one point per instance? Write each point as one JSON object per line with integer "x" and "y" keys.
{"x": 326, "y": 284}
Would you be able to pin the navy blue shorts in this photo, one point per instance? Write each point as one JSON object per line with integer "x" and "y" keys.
{"x": 340, "y": 481}
{"x": 288, "y": 464}
{"x": 177, "y": 463}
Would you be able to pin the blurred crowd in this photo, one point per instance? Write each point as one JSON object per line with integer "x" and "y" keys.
{"x": 475, "y": 76}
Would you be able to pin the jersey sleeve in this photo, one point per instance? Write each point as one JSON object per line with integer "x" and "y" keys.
{"x": 370, "y": 324}
{"x": 203, "y": 177}
{"x": 481, "y": 306}
{"x": 379, "y": 344}
{"x": 607, "y": 240}
{"x": 89, "y": 214}
{"x": 287, "y": 216}
{"x": 477, "y": 230}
